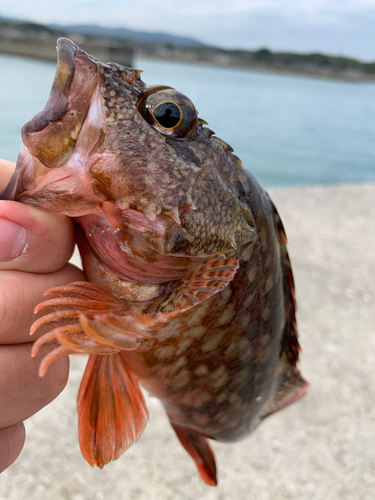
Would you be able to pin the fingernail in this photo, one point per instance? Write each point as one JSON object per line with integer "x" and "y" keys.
{"x": 12, "y": 240}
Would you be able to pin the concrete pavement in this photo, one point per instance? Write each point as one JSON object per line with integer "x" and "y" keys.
{"x": 321, "y": 448}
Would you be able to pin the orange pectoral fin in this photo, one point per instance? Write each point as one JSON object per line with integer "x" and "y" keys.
{"x": 112, "y": 413}
{"x": 124, "y": 332}
{"x": 199, "y": 449}
{"x": 201, "y": 284}
{"x": 127, "y": 331}
{"x": 87, "y": 318}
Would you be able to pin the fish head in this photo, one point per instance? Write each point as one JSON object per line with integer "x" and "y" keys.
{"x": 106, "y": 143}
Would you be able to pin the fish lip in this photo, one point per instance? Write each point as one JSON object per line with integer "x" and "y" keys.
{"x": 57, "y": 104}
{"x": 52, "y": 134}
{"x": 58, "y": 180}
{"x": 23, "y": 197}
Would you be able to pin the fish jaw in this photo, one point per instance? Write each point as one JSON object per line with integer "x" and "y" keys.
{"x": 63, "y": 140}
{"x": 51, "y": 134}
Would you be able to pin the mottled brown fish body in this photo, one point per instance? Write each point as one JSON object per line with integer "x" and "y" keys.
{"x": 190, "y": 290}
{"x": 215, "y": 367}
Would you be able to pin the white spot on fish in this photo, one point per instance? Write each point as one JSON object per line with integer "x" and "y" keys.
{"x": 201, "y": 418}
{"x": 222, "y": 417}
{"x": 219, "y": 376}
{"x": 227, "y": 316}
{"x": 245, "y": 320}
{"x": 212, "y": 343}
{"x": 179, "y": 364}
{"x": 266, "y": 312}
{"x": 201, "y": 371}
{"x": 231, "y": 348}
{"x": 269, "y": 284}
{"x": 182, "y": 379}
{"x": 222, "y": 397}
{"x": 251, "y": 274}
{"x": 197, "y": 332}
{"x": 164, "y": 352}
{"x": 234, "y": 399}
{"x": 184, "y": 345}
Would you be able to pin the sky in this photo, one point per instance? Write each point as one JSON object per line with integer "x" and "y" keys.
{"x": 338, "y": 27}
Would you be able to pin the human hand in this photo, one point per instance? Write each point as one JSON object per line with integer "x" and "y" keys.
{"x": 35, "y": 246}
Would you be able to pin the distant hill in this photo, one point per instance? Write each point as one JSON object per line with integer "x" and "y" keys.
{"x": 321, "y": 65}
{"x": 165, "y": 46}
{"x": 25, "y": 28}
{"x": 131, "y": 35}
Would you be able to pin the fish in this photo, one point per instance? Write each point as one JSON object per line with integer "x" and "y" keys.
{"x": 189, "y": 292}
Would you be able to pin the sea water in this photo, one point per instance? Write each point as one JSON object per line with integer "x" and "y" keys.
{"x": 287, "y": 129}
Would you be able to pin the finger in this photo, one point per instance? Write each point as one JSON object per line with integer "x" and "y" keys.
{"x": 20, "y": 293}
{"x": 6, "y": 171}
{"x": 22, "y": 391}
{"x": 12, "y": 440}
{"x": 34, "y": 240}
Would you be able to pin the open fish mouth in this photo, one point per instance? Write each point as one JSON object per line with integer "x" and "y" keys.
{"x": 51, "y": 135}
{"x": 57, "y": 104}
{"x": 50, "y": 138}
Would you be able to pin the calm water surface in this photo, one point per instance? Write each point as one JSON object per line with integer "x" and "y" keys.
{"x": 288, "y": 130}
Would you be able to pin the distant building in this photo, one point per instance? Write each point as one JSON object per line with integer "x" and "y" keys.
{"x": 42, "y": 45}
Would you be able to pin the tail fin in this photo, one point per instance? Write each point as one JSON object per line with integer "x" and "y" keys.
{"x": 112, "y": 413}
{"x": 199, "y": 449}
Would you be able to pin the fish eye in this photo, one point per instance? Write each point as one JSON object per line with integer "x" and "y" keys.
{"x": 169, "y": 112}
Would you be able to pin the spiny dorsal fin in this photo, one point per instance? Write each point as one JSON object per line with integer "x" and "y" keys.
{"x": 224, "y": 145}
{"x": 238, "y": 160}
{"x": 207, "y": 131}
{"x": 134, "y": 77}
{"x": 202, "y": 122}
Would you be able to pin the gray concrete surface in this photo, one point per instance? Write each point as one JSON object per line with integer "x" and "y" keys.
{"x": 323, "y": 447}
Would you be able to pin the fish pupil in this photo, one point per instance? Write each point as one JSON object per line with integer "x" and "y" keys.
{"x": 167, "y": 114}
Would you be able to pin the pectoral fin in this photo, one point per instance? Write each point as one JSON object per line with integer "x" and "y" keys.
{"x": 202, "y": 283}
{"x": 89, "y": 319}
{"x": 206, "y": 280}
{"x": 112, "y": 413}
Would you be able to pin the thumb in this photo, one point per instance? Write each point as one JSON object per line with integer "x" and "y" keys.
{"x": 34, "y": 240}
{"x": 6, "y": 171}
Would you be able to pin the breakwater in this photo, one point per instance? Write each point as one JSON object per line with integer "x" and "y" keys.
{"x": 45, "y": 49}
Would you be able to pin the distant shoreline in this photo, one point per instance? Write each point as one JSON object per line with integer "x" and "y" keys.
{"x": 21, "y": 51}
{"x": 45, "y": 49}
{"x": 260, "y": 68}
{"x": 39, "y": 41}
